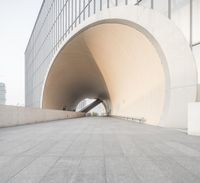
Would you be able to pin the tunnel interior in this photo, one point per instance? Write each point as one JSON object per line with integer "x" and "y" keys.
{"x": 114, "y": 63}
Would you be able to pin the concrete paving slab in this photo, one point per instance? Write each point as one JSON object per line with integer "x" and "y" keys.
{"x": 35, "y": 171}
{"x": 63, "y": 171}
{"x": 97, "y": 150}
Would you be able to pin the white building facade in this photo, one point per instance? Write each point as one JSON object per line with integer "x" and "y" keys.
{"x": 59, "y": 21}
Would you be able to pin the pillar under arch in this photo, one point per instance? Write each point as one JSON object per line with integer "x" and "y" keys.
{"x": 126, "y": 61}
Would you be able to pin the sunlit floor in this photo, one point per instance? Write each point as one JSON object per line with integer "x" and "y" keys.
{"x": 97, "y": 150}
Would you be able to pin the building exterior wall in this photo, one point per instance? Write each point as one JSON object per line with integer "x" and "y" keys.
{"x": 2, "y": 94}
{"x": 58, "y": 21}
{"x": 57, "y": 18}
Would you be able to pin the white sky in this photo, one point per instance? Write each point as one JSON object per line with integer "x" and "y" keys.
{"x": 17, "y": 18}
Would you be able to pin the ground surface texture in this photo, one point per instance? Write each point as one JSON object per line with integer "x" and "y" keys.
{"x": 97, "y": 150}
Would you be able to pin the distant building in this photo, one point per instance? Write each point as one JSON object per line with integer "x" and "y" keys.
{"x": 2, "y": 94}
{"x": 81, "y": 105}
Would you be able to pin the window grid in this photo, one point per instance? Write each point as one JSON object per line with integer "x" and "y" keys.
{"x": 56, "y": 19}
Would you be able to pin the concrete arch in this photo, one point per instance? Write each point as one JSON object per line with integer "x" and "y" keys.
{"x": 159, "y": 87}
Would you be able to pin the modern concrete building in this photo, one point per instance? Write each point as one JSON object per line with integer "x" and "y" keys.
{"x": 138, "y": 57}
{"x": 2, "y": 94}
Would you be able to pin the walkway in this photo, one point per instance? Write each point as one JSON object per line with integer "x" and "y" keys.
{"x": 97, "y": 150}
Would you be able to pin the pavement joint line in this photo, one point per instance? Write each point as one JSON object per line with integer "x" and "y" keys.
{"x": 104, "y": 159}
{"x": 126, "y": 157}
{"x": 60, "y": 156}
{"x": 37, "y": 157}
{"x": 81, "y": 159}
{"x": 101, "y": 140}
{"x": 31, "y": 147}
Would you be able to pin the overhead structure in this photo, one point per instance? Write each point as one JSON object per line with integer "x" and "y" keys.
{"x": 122, "y": 57}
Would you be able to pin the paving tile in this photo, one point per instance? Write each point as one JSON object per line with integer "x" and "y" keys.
{"x": 94, "y": 146}
{"x": 90, "y": 170}
{"x": 59, "y": 148}
{"x": 174, "y": 172}
{"x": 111, "y": 145}
{"x": 13, "y": 167}
{"x": 35, "y": 171}
{"x": 63, "y": 171}
{"x": 97, "y": 150}
{"x": 184, "y": 149}
{"x": 192, "y": 164}
{"x": 78, "y": 147}
{"x": 147, "y": 171}
{"x": 119, "y": 170}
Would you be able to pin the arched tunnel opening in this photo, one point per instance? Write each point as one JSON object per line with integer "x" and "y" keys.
{"x": 114, "y": 63}
{"x": 93, "y": 107}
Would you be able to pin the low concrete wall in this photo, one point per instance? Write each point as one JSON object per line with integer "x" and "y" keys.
{"x": 13, "y": 116}
{"x": 194, "y": 118}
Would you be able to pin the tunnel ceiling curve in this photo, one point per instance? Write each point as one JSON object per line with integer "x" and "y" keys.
{"x": 112, "y": 62}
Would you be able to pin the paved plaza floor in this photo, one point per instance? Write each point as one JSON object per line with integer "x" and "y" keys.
{"x": 97, "y": 150}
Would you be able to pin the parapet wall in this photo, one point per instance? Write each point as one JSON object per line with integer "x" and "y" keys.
{"x": 14, "y": 116}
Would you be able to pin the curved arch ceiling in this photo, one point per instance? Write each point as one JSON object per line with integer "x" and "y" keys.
{"x": 112, "y": 62}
